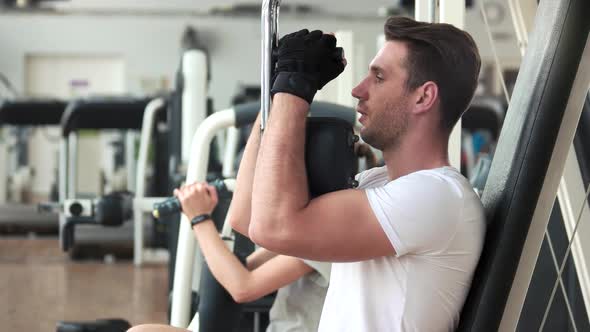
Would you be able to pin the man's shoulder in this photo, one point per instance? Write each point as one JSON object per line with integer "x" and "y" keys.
{"x": 444, "y": 185}
{"x": 444, "y": 178}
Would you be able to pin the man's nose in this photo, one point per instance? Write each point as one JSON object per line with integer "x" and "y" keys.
{"x": 359, "y": 91}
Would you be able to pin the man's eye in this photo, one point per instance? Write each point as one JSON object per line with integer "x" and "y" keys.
{"x": 379, "y": 78}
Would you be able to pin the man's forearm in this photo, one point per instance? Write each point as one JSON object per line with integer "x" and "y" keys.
{"x": 241, "y": 206}
{"x": 280, "y": 180}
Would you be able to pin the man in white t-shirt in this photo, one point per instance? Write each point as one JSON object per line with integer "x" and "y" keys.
{"x": 434, "y": 220}
{"x": 406, "y": 242}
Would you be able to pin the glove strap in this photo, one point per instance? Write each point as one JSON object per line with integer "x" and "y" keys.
{"x": 295, "y": 83}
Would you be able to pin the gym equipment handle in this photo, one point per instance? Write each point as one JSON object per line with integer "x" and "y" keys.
{"x": 172, "y": 205}
{"x": 166, "y": 208}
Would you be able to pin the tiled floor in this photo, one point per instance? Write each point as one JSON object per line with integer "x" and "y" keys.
{"x": 39, "y": 286}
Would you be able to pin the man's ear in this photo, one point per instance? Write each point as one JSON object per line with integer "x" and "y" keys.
{"x": 426, "y": 97}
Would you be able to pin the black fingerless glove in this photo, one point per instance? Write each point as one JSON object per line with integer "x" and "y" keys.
{"x": 305, "y": 62}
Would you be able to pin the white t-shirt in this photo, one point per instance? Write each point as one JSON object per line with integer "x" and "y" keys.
{"x": 436, "y": 224}
{"x": 298, "y": 306}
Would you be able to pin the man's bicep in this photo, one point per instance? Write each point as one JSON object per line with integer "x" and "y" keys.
{"x": 338, "y": 227}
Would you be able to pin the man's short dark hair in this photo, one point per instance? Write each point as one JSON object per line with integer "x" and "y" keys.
{"x": 443, "y": 54}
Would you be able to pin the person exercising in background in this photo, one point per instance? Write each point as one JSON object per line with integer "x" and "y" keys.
{"x": 406, "y": 241}
{"x": 301, "y": 284}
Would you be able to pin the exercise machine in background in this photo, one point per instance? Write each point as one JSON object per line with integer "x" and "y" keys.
{"x": 79, "y": 213}
{"x": 19, "y": 119}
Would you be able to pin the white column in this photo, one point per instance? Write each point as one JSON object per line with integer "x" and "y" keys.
{"x": 194, "y": 97}
{"x": 425, "y": 10}
{"x": 345, "y": 82}
{"x": 339, "y": 90}
{"x": 453, "y": 12}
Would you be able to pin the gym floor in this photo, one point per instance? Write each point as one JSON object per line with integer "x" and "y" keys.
{"x": 40, "y": 285}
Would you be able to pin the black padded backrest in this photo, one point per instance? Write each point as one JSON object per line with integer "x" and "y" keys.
{"x": 31, "y": 112}
{"x": 523, "y": 154}
{"x": 103, "y": 113}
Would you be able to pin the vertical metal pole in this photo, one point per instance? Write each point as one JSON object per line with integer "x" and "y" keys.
{"x": 270, "y": 13}
{"x": 72, "y": 170}
{"x": 432, "y": 11}
{"x": 147, "y": 128}
{"x": 63, "y": 181}
{"x": 256, "y": 322}
{"x": 522, "y": 20}
{"x": 3, "y": 169}
{"x": 186, "y": 249}
{"x": 229, "y": 155}
{"x": 130, "y": 161}
{"x": 519, "y": 26}
{"x": 571, "y": 195}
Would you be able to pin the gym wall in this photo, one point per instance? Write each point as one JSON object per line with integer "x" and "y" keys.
{"x": 150, "y": 45}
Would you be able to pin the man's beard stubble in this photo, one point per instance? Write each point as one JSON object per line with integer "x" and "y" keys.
{"x": 386, "y": 134}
